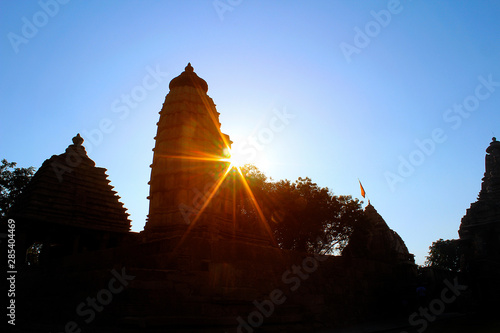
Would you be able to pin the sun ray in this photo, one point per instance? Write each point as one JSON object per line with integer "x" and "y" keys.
{"x": 197, "y": 158}
{"x": 213, "y": 191}
{"x": 256, "y": 205}
{"x": 204, "y": 98}
{"x": 231, "y": 164}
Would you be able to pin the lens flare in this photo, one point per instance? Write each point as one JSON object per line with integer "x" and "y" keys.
{"x": 233, "y": 163}
{"x": 235, "y": 160}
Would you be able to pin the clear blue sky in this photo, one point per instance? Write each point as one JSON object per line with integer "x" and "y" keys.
{"x": 361, "y": 82}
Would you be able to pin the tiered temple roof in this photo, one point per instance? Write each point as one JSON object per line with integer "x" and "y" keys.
{"x": 188, "y": 156}
{"x": 191, "y": 178}
{"x": 70, "y": 190}
{"x": 374, "y": 239}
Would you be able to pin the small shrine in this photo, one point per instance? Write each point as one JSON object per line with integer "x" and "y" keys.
{"x": 373, "y": 239}
{"x": 69, "y": 207}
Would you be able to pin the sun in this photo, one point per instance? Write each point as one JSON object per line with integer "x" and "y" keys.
{"x": 233, "y": 169}
{"x": 238, "y": 159}
{"x": 234, "y": 158}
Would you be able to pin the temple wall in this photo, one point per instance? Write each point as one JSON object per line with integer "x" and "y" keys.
{"x": 214, "y": 282}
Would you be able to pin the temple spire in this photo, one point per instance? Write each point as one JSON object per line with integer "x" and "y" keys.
{"x": 77, "y": 140}
{"x": 190, "y": 79}
{"x": 491, "y": 179}
{"x": 188, "y": 158}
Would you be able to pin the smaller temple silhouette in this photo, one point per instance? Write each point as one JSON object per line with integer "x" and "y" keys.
{"x": 373, "y": 239}
{"x": 69, "y": 207}
{"x": 480, "y": 232}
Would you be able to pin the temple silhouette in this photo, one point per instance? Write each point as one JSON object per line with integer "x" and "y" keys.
{"x": 480, "y": 234}
{"x": 194, "y": 267}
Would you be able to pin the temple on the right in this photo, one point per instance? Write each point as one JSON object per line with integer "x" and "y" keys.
{"x": 480, "y": 231}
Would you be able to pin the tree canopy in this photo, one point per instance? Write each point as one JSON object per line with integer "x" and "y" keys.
{"x": 444, "y": 254}
{"x": 12, "y": 182}
{"x": 302, "y": 215}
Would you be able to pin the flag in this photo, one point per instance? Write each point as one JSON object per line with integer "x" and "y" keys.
{"x": 362, "y": 189}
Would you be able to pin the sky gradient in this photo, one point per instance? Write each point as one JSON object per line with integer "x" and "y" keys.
{"x": 404, "y": 95}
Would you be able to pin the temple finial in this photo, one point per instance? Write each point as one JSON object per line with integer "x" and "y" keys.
{"x": 189, "y": 78}
{"x": 77, "y": 140}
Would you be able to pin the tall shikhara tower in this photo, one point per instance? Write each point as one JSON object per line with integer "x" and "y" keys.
{"x": 189, "y": 162}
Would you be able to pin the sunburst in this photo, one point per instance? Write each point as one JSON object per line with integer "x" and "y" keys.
{"x": 233, "y": 163}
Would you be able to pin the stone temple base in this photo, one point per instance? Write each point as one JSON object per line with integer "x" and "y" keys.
{"x": 205, "y": 283}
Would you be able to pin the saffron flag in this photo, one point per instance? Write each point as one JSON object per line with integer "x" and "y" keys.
{"x": 362, "y": 189}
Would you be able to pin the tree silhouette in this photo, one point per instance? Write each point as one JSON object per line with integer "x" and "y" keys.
{"x": 444, "y": 254}
{"x": 12, "y": 182}
{"x": 302, "y": 215}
